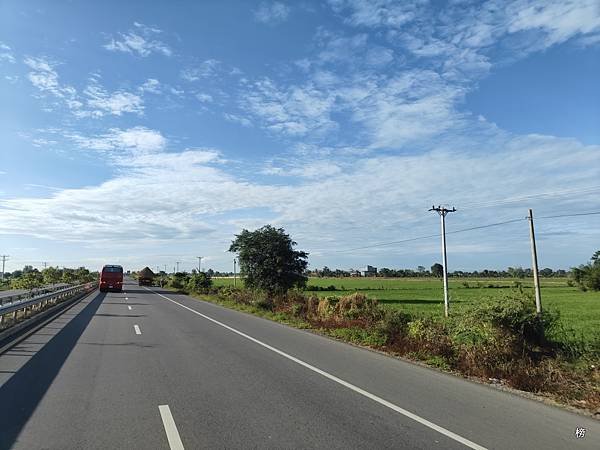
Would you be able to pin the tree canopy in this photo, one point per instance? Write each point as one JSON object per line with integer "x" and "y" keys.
{"x": 437, "y": 270}
{"x": 587, "y": 276}
{"x": 268, "y": 260}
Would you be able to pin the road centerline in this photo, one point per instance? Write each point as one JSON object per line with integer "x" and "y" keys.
{"x": 170, "y": 428}
{"x": 337, "y": 380}
{"x": 137, "y": 329}
{"x": 129, "y": 307}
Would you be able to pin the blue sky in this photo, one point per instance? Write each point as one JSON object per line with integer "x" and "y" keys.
{"x": 145, "y": 133}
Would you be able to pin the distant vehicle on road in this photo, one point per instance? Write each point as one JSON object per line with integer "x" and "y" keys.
{"x": 145, "y": 277}
{"x": 111, "y": 278}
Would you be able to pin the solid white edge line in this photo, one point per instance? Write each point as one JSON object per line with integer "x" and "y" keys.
{"x": 137, "y": 329}
{"x": 350, "y": 386}
{"x": 170, "y": 428}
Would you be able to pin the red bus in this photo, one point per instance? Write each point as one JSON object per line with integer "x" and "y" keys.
{"x": 111, "y": 278}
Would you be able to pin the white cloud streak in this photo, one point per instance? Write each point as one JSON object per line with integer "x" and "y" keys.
{"x": 272, "y": 12}
{"x": 139, "y": 41}
{"x": 6, "y": 53}
{"x": 117, "y": 142}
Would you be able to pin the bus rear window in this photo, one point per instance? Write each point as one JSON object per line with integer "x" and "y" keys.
{"x": 113, "y": 269}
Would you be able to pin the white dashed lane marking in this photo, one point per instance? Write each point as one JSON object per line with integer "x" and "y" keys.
{"x": 170, "y": 428}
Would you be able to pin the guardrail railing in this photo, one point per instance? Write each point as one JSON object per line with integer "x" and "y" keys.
{"x": 18, "y": 307}
{"x": 35, "y": 292}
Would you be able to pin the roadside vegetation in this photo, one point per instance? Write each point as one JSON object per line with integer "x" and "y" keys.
{"x": 30, "y": 278}
{"x": 493, "y": 333}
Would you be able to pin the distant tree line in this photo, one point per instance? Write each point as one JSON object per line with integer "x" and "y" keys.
{"x": 437, "y": 270}
{"x": 30, "y": 278}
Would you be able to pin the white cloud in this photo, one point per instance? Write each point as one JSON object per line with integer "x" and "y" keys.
{"x": 151, "y": 85}
{"x": 272, "y": 12}
{"x": 101, "y": 102}
{"x": 237, "y": 119}
{"x": 206, "y": 69}
{"x": 117, "y": 142}
{"x": 95, "y": 101}
{"x": 559, "y": 20}
{"x": 366, "y": 200}
{"x": 377, "y": 12}
{"x": 204, "y": 98}
{"x": 139, "y": 42}
{"x": 294, "y": 111}
{"x": 6, "y": 53}
{"x": 416, "y": 104}
{"x": 44, "y": 77}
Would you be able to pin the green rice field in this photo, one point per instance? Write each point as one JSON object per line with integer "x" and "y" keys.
{"x": 579, "y": 311}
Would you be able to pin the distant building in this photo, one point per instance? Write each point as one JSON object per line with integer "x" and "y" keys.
{"x": 369, "y": 271}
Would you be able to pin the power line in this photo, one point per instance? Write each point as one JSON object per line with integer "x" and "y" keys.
{"x": 522, "y": 198}
{"x": 570, "y": 215}
{"x": 389, "y": 243}
{"x": 381, "y": 244}
{"x": 479, "y": 227}
{"x": 486, "y": 226}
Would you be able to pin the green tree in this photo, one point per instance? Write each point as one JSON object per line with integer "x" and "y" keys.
{"x": 68, "y": 276}
{"x": 179, "y": 280}
{"x": 587, "y": 276}
{"x": 51, "y": 275}
{"x": 199, "y": 282}
{"x": 29, "y": 280}
{"x": 268, "y": 260}
{"x": 83, "y": 275}
{"x": 437, "y": 270}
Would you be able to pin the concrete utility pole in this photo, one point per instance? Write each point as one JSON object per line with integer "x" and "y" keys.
{"x": 165, "y": 268}
{"x": 177, "y": 263}
{"x": 4, "y": 258}
{"x": 234, "y": 272}
{"x": 199, "y": 263}
{"x": 442, "y": 211}
{"x": 534, "y": 263}
{"x": 45, "y": 264}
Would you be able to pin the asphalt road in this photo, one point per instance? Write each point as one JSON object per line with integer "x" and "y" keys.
{"x": 138, "y": 370}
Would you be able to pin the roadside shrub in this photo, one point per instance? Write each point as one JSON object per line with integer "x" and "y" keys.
{"x": 429, "y": 337}
{"x": 199, "y": 282}
{"x": 394, "y": 324}
{"x": 514, "y": 312}
{"x": 358, "y": 335}
{"x": 464, "y": 332}
{"x": 358, "y": 306}
{"x": 326, "y": 307}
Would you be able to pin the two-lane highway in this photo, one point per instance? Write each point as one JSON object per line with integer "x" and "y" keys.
{"x": 148, "y": 368}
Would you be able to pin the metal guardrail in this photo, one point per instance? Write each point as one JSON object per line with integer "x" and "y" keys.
{"x": 30, "y": 305}
{"x": 35, "y": 292}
